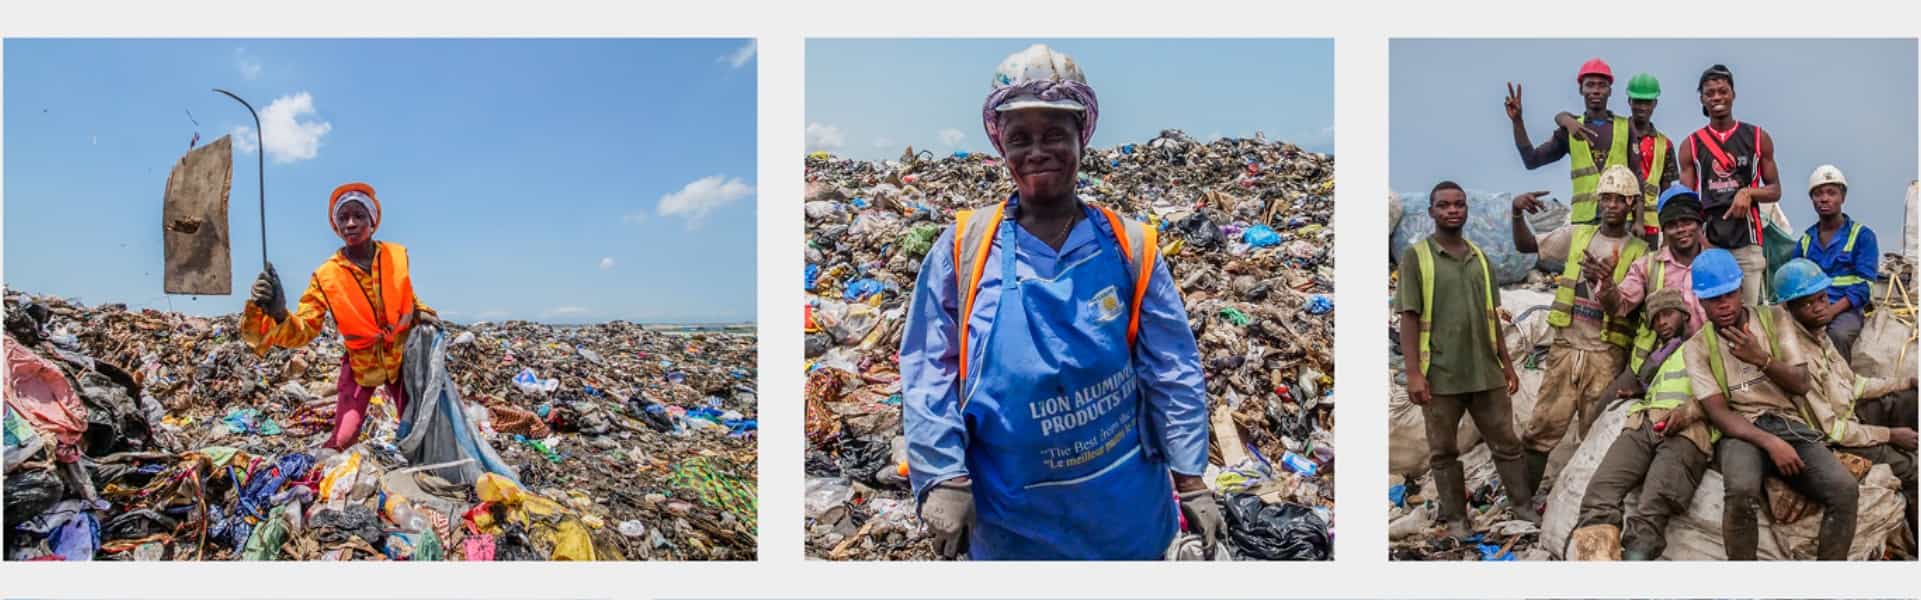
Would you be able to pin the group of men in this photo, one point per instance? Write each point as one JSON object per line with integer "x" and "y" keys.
{"x": 1663, "y": 300}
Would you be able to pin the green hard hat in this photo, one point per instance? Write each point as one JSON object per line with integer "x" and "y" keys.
{"x": 1644, "y": 87}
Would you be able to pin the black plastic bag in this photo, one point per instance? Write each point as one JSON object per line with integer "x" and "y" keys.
{"x": 31, "y": 493}
{"x": 1284, "y": 531}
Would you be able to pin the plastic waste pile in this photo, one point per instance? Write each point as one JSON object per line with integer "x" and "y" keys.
{"x": 620, "y": 442}
{"x": 1246, "y": 230}
{"x": 1524, "y": 303}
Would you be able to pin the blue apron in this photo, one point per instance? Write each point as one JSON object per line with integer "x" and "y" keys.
{"x": 1054, "y": 415}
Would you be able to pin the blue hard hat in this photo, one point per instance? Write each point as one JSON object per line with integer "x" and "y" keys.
{"x": 1675, "y": 189}
{"x": 1715, "y": 274}
{"x": 1799, "y": 278}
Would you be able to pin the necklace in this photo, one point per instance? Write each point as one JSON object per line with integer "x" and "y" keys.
{"x": 1065, "y": 229}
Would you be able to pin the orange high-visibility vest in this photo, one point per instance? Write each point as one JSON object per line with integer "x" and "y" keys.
{"x": 353, "y": 311}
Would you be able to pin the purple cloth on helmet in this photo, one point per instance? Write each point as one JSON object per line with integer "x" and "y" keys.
{"x": 1045, "y": 89}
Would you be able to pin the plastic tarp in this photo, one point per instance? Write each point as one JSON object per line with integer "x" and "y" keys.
{"x": 1697, "y": 535}
{"x": 434, "y": 429}
{"x": 193, "y": 221}
{"x": 1488, "y": 226}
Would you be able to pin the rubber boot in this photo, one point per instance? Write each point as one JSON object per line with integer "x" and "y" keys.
{"x": 1536, "y": 469}
{"x": 1520, "y": 497}
{"x": 1450, "y": 484}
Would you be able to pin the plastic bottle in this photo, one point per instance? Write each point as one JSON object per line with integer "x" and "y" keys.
{"x": 1300, "y": 464}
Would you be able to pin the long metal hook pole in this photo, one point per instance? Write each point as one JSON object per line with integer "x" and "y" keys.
{"x": 260, "y": 152}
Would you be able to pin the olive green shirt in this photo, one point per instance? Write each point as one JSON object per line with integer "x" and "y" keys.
{"x": 1462, "y": 358}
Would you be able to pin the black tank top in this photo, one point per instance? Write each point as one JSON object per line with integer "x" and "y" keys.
{"x": 1719, "y": 181}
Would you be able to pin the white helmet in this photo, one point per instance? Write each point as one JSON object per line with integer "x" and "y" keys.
{"x": 1037, "y": 62}
{"x": 1826, "y": 174}
{"x": 1618, "y": 180}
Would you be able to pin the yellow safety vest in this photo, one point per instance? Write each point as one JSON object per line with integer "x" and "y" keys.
{"x": 1671, "y": 389}
{"x": 1615, "y": 331}
{"x": 1719, "y": 369}
{"x": 1644, "y": 333}
{"x": 1854, "y": 231}
{"x": 1586, "y": 175}
{"x": 1424, "y": 259}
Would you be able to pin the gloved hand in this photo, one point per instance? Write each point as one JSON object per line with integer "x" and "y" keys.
{"x": 1204, "y": 517}
{"x": 269, "y": 295}
{"x": 949, "y": 513}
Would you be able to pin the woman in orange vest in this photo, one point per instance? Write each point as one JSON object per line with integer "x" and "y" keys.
{"x": 367, "y": 288}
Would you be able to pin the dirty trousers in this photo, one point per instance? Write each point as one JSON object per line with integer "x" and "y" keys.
{"x": 1844, "y": 330}
{"x": 1822, "y": 479}
{"x": 1574, "y": 385}
{"x": 1902, "y": 462}
{"x": 351, "y": 407}
{"x": 1893, "y": 410}
{"x": 1493, "y": 416}
{"x": 1667, "y": 469}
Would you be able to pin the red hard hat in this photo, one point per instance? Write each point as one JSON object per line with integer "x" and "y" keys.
{"x": 1595, "y": 66}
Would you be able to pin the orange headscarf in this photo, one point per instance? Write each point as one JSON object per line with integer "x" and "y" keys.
{"x": 333, "y": 203}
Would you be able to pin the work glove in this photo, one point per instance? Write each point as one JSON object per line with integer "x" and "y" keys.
{"x": 1204, "y": 517}
{"x": 269, "y": 295}
{"x": 949, "y": 513}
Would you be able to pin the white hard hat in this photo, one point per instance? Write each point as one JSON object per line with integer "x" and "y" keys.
{"x": 1826, "y": 174}
{"x": 1037, "y": 62}
{"x": 1618, "y": 180}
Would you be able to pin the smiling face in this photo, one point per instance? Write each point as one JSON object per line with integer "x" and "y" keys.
{"x": 1717, "y": 97}
{"x": 1595, "y": 90}
{"x": 355, "y": 223}
{"x": 1043, "y": 150}
{"x": 1683, "y": 235}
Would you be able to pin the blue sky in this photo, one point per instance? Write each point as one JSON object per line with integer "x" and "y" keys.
{"x": 869, "y": 99}
{"x": 553, "y": 180}
{"x": 1850, "y": 103}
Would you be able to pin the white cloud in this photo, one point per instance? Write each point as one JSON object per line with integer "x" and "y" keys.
{"x": 696, "y": 199}
{"x": 739, "y": 57}
{"x": 607, "y": 264}
{"x": 248, "y": 65}
{"x": 288, "y": 137}
{"x": 825, "y": 137}
{"x": 952, "y": 137}
{"x": 564, "y": 312}
{"x": 883, "y": 142}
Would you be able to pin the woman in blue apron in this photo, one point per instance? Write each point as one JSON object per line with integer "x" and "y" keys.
{"x": 1053, "y": 395}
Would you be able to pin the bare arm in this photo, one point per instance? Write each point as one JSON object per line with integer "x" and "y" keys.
{"x": 1687, "y": 166}
{"x": 1733, "y": 425}
{"x": 1764, "y": 151}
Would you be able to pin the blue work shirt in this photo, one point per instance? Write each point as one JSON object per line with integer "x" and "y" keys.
{"x": 1863, "y": 262}
{"x": 1165, "y": 357}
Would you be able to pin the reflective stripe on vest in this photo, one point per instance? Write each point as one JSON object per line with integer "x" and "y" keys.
{"x": 1424, "y": 259}
{"x": 1670, "y": 388}
{"x": 973, "y": 238}
{"x": 1644, "y": 333}
{"x": 1651, "y": 185}
{"x": 1615, "y": 331}
{"x": 1854, "y": 231}
{"x": 1586, "y": 175}
{"x": 361, "y": 324}
{"x": 1719, "y": 369}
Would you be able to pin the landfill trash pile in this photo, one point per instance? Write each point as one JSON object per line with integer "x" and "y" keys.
{"x": 620, "y": 442}
{"x": 1524, "y": 301}
{"x": 1247, "y": 228}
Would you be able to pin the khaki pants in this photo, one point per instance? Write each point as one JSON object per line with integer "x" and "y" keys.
{"x": 1666, "y": 468}
{"x": 1754, "y": 270}
{"x": 1575, "y": 382}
